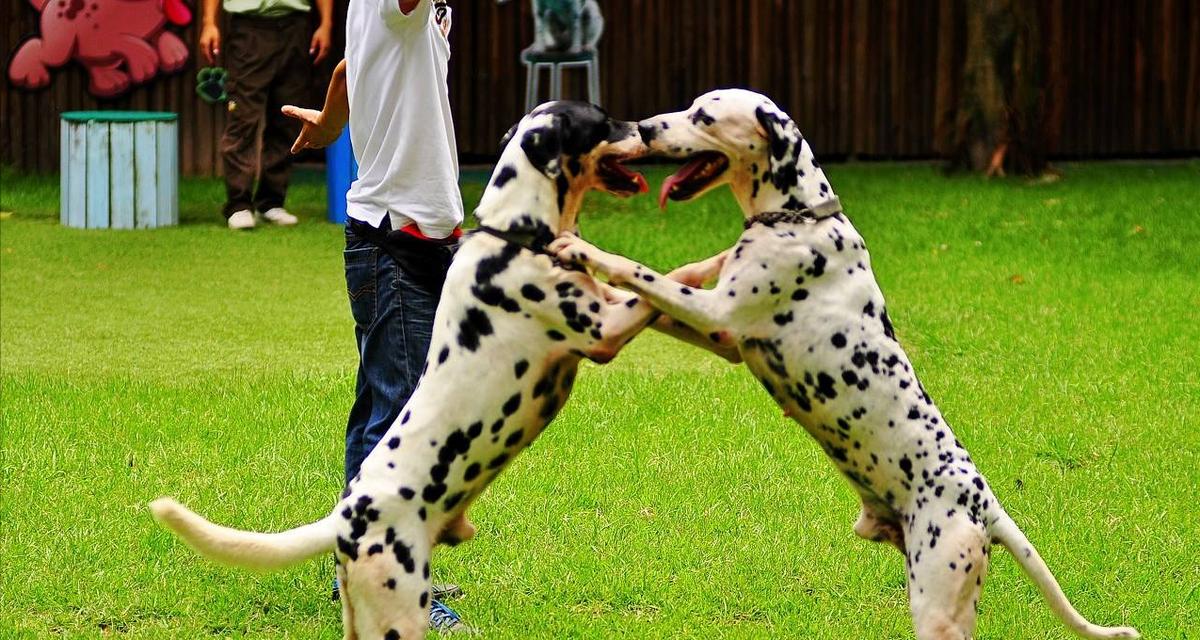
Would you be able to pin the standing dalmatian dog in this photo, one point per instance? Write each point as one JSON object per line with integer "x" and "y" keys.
{"x": 508, "y": 336}
{"x": 798, "y": 296}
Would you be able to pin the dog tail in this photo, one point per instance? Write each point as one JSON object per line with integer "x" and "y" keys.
{"x": 248, "y": 549}
{"x": 1007, "y": 533}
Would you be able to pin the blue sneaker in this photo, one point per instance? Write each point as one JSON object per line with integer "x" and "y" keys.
{"x": 443, "y": 618}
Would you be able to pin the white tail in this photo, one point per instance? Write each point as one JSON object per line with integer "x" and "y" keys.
{"x": 249, "y": 549}
{"x": 1006, "y": 532}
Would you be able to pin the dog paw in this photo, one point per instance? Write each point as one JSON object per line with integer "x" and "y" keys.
{"x": 572, "y": 250}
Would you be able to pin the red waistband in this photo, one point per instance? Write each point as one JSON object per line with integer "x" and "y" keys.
{"x": 413, "y": 230}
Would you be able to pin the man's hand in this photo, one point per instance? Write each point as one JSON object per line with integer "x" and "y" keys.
{"x": 210, "y": 42}
{"x": 316, "y": 133}
{"x": 322, "y": 41}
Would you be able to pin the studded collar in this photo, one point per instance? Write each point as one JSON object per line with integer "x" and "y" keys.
{"x": 827, "y": 209}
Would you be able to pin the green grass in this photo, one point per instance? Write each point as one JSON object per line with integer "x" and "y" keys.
{"x": 1055, "y": 323}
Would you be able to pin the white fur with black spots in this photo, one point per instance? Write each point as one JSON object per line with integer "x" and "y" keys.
{"x": 508, "y": 336}
{"x": 798, "y": 296}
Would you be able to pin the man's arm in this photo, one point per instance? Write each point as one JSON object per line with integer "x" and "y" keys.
{"x": 322, "y": 127}
{"x": 210, "y": 33}
{"x": 322, "y": 39}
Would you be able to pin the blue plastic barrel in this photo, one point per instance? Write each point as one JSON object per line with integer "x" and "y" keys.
{"x": 340, "y": 171}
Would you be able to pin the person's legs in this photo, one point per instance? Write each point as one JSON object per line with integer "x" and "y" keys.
{"x": 250, "y": 69}
{"x": 291, "y": 85}
{"x": 393, "y": 319}
{"x": 394, "y": 322}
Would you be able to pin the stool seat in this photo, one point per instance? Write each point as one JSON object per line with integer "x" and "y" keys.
{"x": 549, "y": 57}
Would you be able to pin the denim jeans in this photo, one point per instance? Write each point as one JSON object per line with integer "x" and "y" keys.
{"x": 393, "y": 322}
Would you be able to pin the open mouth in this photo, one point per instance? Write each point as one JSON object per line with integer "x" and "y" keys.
{"x": 700, "y": 171}
{"x": 618, "y": 179}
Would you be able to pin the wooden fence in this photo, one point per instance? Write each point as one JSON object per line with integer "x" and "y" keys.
{"x": 864, "y": 78}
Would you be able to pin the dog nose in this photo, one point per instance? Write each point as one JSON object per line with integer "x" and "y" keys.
{"x": 648, "y": 132}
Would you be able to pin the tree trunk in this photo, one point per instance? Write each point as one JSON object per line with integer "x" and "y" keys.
{"x": 999, "y": 128}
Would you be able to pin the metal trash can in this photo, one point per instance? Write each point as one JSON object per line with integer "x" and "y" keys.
{"x": 119, "y": 169}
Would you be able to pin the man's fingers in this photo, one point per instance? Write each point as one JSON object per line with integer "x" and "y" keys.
{"x": 308, "y": 116}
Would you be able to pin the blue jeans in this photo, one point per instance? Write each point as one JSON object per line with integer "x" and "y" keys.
{"x": 393, "y": 322}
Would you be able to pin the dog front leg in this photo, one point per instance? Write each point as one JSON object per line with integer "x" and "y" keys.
{"x": 704, "y": 310}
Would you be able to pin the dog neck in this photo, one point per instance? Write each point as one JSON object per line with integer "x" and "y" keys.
{"x": 522, "y": 206}
{"x": 768, "y": 185}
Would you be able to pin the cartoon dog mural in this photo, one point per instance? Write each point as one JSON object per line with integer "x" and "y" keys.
{"x": 119, "y": 42}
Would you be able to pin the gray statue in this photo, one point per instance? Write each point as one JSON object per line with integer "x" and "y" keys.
{"x": 565, "y": 26}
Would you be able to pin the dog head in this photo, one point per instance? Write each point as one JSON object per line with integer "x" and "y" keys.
{"x": 739, "y": 138}
{"x": 555, "y": 155}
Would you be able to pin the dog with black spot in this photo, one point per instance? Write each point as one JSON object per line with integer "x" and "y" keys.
{"x": 508, "y": 336}
{"x": 798, "y": 297}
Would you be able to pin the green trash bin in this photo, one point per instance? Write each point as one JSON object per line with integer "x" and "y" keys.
{"x": 119, "y": 169}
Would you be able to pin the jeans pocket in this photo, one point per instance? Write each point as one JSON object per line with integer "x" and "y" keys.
{"x": 361, "y": 285}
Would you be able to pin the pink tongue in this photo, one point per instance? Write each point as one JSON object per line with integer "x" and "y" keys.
{"x": 682, "y": 175}
{"x": 665, "y": 191}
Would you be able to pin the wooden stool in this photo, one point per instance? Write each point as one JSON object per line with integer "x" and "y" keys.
{"x": 535, "y": 61}
{"x": 119, "y": 169}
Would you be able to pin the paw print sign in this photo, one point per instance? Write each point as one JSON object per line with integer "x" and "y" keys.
{"x": 119, "y": 42}
{"x": 210, "y": 85}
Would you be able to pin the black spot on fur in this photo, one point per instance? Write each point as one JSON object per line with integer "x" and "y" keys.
{"x": 511, "y": 406}
{"x": 532, "y": 293}
{"x": 503, "y": 175}
{"x": 520, "y": 368}
{"x": 472, "y": 472}
{"x": 475, "y": 325}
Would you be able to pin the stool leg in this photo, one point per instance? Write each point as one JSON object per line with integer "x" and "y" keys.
{"x": 531, "y": 86}
{"x": 556, "y": 82}
{"x": 593, "y": 71}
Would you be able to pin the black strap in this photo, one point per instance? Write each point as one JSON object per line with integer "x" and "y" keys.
{"x": 533, "y": 240}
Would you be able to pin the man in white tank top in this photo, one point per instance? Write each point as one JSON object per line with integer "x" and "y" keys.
{"x": 404, "y": 207}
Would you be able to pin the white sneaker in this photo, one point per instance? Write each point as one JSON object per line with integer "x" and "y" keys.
{"x": 280, "y": 216}
{"x": 243, "y": 219}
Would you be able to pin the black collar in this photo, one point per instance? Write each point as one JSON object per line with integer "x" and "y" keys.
{"x": 533, "y": 240}
{"x": 827, "y": 209}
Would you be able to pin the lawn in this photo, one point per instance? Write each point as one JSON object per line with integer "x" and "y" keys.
{"x": 1055, "y": 323}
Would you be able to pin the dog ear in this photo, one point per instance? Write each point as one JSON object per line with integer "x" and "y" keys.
{"x": 543, "y": 146}
{"x": 783, "y": 136}
{"x": 784, "y": 142}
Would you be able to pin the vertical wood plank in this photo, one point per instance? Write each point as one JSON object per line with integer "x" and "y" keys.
{"x": 64, "y": 174}
{"x": 145, "y": 169}
{"x": 97, "y": 175}
{"x": 167, "y": 176}
{"x": 121, "y": 175}
{"x": 77, "y": 174}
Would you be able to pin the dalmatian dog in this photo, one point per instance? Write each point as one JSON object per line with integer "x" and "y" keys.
{"x": 508, "y": 336}
{"x": 565, "y": 25}
{"x": 798, "y": 296}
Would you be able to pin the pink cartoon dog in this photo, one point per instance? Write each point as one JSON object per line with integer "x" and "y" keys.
{"x": 119, "y": 42}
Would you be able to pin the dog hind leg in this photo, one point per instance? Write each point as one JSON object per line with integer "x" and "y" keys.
{"x": 947, "y": 560}
{"x": 388, "y": 587}
{"x": 348, "y": 632}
